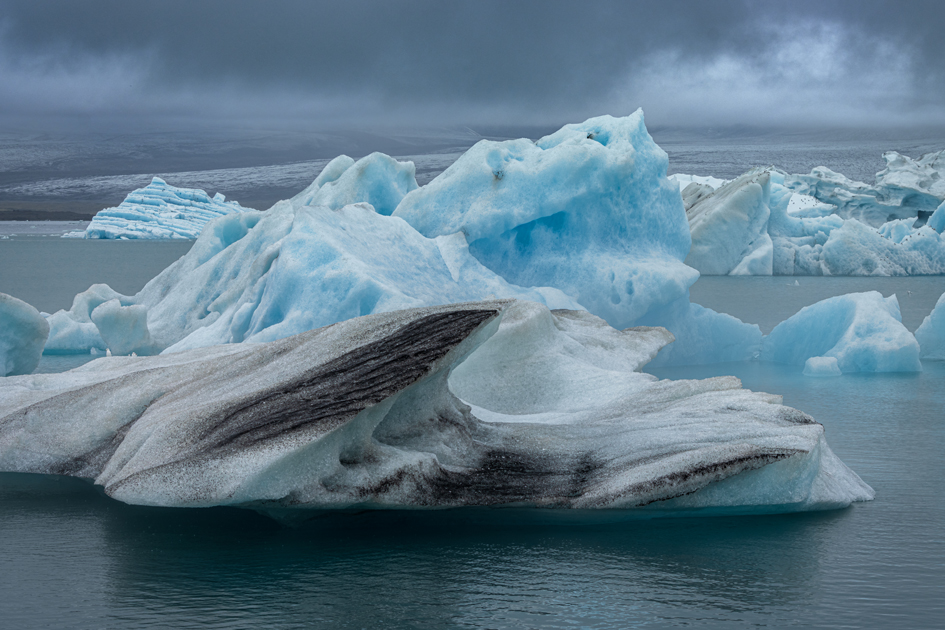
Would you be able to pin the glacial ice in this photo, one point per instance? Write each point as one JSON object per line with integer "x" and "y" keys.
{"x": 377, "y": 179}
{"x": 158, "y": 211}
{"x": 730, "y": 228}
{"x": 931, "y": 333}
{"x": 902, "y": 190}
{"x": 584, "y": 218}
{"x": 23, "y": 332}
{"x": 486, "y": 403}
{"x": 747, "y": 226}
{"x": 259, "y": 276}
{"x": 862, "y": 331}
{"x": 822, "y": 366}
{"x": 588, "y": 210}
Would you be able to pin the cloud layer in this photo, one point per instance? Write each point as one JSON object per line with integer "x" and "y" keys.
{"x": 174, "y": 64}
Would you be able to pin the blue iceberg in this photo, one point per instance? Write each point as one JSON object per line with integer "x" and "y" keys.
{"x": 23, "y": 332}
{"x": 862, "y": 332}
{"x": 931, "y": 333}
{"x": 158, "y": 211}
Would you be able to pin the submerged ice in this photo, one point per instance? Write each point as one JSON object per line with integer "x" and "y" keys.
{"x": 487, "y": 403}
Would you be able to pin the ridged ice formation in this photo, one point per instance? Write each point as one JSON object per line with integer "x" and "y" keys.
{"x": 485, "y": 403}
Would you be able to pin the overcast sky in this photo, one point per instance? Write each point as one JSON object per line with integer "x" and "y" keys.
{"x": 168, "y": 64}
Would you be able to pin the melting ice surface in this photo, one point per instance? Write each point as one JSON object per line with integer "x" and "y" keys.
{"x": 484, "y": 403}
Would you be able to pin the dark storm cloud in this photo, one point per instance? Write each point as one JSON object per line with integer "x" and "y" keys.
{"x": 472, "y": 62}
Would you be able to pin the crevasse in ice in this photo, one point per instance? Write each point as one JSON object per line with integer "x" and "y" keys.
{"x": 158, "y": 211}
{"x": 485, "y": 403}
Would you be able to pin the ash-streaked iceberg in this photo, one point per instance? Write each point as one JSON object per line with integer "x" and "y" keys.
{"x": 23, "y": 332}
{"x": 863, "y": 332}
{"x": 159, "y": 211}
{"x": 931, "y": 333}
{"x": 488, "y": 403}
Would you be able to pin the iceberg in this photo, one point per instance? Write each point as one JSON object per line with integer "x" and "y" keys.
{"x": 729, "y": 228}
{"x": 753, "y": 225}
{"x": 906, "y": 188}
{"x": 260, "y": 276}
{"x": 931, "y": 333}
{"x": 23, "y": 331}
{"x": 861, "y": 332}
{"x": 587, "y": 210}
{"x": 487, "y": 403}
{"x": 583, "y": 219}
{"x": 158, "y": 211}
{"x": 377, "y": 179}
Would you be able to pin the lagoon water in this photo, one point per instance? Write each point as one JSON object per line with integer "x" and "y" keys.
{"x": 72, "y": 558}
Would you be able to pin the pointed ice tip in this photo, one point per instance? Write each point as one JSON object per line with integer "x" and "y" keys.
{"x": 158, "y": 180}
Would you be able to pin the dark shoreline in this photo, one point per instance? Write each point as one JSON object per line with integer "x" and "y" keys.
{"x": 43, "y": 215}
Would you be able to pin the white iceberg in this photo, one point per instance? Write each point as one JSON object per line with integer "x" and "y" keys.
{"x": 863, "y": 332}
{"x": 23, "y": 333}
{"x": 158, "y": 211}
{"x": 931, "y": 333}
{"x": 730, "y": 228}
{"x": 486, "y": 403}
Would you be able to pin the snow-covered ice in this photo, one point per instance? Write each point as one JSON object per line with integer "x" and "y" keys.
{"x": 862, "y": 331}
{"x": 487, "y": 403}
{"x": 931, "y": 333}
{"x": 23, "y": 331}
{"x": 158, "y": 211}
